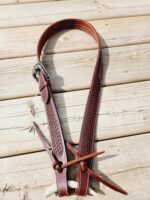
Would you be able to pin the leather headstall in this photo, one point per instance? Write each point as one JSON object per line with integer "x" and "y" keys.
{"x": 57, "y": 149}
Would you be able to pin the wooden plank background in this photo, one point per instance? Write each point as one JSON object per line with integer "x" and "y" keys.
{"x": 123, "y": 127}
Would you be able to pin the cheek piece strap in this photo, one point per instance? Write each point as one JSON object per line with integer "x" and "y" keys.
{"x": 57, "y": 149}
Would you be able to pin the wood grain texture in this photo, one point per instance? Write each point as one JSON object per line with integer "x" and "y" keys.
{"x": 137, "y": 178}
{"x": 124, "y": 110}
{"x": 10, "y": 2}
{"x": 73, "y": 70}
{"x": 123, "y": 129}
{"x": 126, "y": 162}
{"x": 48, "y": 12}
{"x": 22, "y": 41}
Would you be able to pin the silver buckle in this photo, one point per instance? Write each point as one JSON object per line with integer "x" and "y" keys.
{"x": 39, "y": 67}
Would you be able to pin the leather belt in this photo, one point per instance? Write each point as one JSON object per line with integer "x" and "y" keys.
{"x": 84, "y": 153}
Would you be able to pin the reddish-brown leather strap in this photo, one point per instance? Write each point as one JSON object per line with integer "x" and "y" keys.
{"x": 89, "y": 122}
{"x": 85, "y": 152}
{"x": 57, "y": 141}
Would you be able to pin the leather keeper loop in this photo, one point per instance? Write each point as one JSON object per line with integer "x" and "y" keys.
{"x": 83, "y": 166}
{"x": 44, "y": 87}
{"x": 57, "y": 166}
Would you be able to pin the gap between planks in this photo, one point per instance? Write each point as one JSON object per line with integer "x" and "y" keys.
{"x": 74, "y": 145}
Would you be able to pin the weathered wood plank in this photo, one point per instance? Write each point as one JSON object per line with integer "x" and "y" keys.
{"x": 124, "y": 110}
{"x": 48, "y": 12}
{"x": 135, "y": 181}
{"x": 129, "y": 161}
{"x": 73, "y": 70}
{"x": 22, "y": 41}
{"x": 8, "y": 2}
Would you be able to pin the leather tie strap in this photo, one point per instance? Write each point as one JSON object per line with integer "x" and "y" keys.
{"x": 85, "y": 153}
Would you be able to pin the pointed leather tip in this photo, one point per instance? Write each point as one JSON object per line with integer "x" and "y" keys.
{"x": 122, "y": 191}
{"x": 125, "y": 193}
{"x": 100, "y": 152}
{"x": 35, "y": 125}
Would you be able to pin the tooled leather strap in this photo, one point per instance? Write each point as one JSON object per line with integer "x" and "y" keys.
{"x": 58, "y": 154}
{"x": 85, "y": 152}
{"x": 89, "y": 122}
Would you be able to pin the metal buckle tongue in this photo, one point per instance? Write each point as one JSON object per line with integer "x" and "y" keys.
{"x": 39, "y": 67}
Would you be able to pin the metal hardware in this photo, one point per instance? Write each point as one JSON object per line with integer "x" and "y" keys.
{"x": 39, "y": 67}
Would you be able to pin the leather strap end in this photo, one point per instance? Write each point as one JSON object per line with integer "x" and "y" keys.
{"x": 44, "y": 87}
